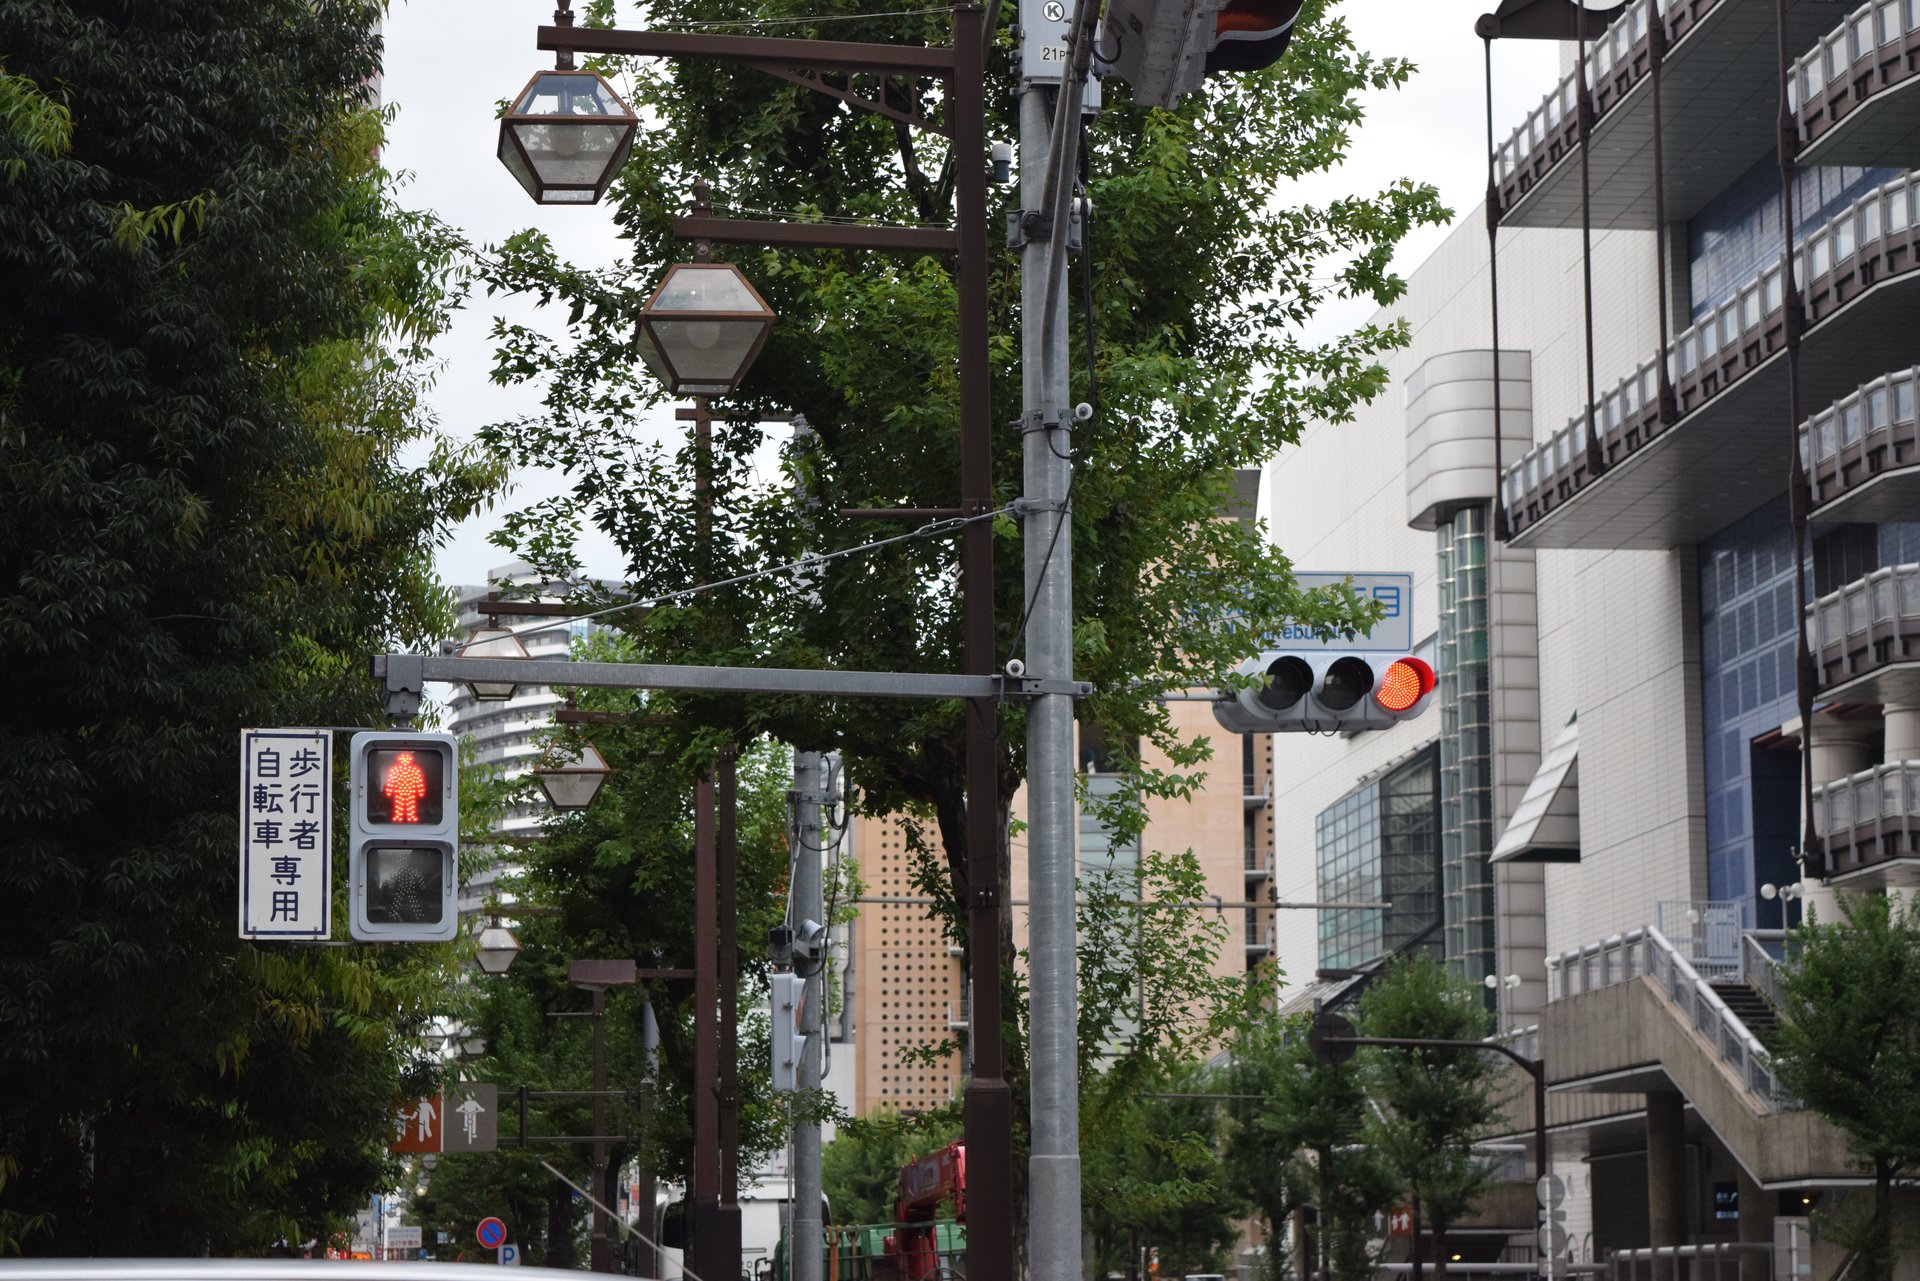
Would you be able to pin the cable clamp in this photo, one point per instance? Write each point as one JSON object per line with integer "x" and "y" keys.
{"x": 1034, "y": 506}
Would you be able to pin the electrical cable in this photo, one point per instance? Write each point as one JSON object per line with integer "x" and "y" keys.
{"x": 821, "y": 17}
{"x": 932, "y": 529}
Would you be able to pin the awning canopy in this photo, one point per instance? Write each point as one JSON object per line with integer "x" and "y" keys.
{"x": 1546, "y": 824}
{"x": 1547, "y": 20}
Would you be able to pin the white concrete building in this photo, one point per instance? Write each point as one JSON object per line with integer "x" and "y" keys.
{"x": 1612, "y": 609}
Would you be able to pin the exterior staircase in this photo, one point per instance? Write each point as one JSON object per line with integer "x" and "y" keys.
{"x": 1747, "y": 1005}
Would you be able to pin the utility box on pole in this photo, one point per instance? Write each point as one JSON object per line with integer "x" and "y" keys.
{"x": 403, "y": 861}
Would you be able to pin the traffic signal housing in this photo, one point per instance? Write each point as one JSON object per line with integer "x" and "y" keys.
{"x": 789, "y": 1042}
{"x": 1326, "y": 692}
{"x": 1163, "y": 48}
{"x": 403, "y": 861}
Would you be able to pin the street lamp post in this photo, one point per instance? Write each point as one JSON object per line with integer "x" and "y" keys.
{"x": 988, "y": 1101}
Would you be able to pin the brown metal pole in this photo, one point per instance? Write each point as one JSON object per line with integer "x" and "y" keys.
{"x": 599, "y": 1247}
{"x": 1656, "y": 55}
{"x": 703, "y": 1203}
{"x": 988, "y": 1103}
{"x": 1502, "y": 528}
{"x": 1813, "y": 857}
{"x": 727, "y": 1215}
{"x": 1596, "y": 456}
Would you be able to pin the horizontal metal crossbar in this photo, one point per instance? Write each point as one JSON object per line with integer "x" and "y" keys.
{"x": 819, "y": 55}
{"x": 405, "y": 672}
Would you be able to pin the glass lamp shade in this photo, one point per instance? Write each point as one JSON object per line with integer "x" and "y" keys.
{"x": 566, "y": 137}
{"x": 498, "y": 947}
{"x": 702, "y": 329}
{"x": 493, "y": 642}
{"x": 573, "y": 784}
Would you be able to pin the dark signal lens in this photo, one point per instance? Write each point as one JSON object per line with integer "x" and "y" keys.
{"x": 406, "y": 884}
{"x": 1288, "y": 680}
{"x": 1348, "y": 681}
{"x": 1406, "y": 682}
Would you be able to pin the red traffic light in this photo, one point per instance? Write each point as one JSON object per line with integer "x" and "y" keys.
{"x": 1249, "y": 35}
{"x": 1406, "y": 682}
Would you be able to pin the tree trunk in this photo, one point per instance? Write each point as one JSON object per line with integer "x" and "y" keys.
{"x": 559, "y": 1225}
{"x": 1879, "y": 1243}
{"x": 1440, "y": 1252}
{"x": 1413, "y": 1207}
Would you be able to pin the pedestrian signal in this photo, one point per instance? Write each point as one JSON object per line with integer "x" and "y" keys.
{"x": 403, "y": 861}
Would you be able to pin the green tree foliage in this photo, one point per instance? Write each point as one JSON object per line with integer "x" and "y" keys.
{"x": 621, "y": 874}
{"x": 209, "y": 364}
{"x": 31, "y": 125}
{"x": 1434, "y": 1103}
{"x": 1152, "y": 1173}
{"x": 1295, "y": 1140}
{"x": 1848, "y": 1044}
{"x": 1199, "y": 283}
{"x": 860, "y": 1169}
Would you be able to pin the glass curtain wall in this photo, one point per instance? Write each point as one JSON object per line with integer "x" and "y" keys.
{"x": 1466, "y": 746}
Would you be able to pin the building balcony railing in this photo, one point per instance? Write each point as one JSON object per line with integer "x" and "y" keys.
{"x": 1870, "y": 818}
{"x": 1719, "y": 112}
{"x": 1718, "y": 460}
{"x": 1866, "y": 638}
{"x": 1862, "y": 455}
{"x": 1615, "y": 63}
{"x": 1258, "y": 868}
{"x": 1840, "y": 90}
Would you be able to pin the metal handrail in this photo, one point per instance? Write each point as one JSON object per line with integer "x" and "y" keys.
{"x": 1648, "y": 952}
{"x": 1737, "y": 1046}
{"x": 1759, "y": 967}
{"x": 1718, "y": 1252}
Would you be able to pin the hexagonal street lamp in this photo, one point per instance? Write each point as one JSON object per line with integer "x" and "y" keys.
{"x": 572, "y": 784}
{"x": 498, "y": 947}
{"x": 703, "y": 327}
{"x": 566, "y": 137}
{"x": 493, "y": 641}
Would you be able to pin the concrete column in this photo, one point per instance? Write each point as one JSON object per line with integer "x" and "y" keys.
{"x": 1756, "y": 1225}
{"x": 1903, "y": 732}
{"x": 1667, "y": 1181}
{"x": 1839, "y": 748}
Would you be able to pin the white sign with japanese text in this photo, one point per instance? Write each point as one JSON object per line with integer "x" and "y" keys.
{"x": 286, "y": 833}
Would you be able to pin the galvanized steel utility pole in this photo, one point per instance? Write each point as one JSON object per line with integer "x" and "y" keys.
{"x": 1050, "y": 123}
{"x": 809, "y": 848}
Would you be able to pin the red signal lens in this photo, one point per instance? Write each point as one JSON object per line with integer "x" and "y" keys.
{"x": 1406, "y": 682}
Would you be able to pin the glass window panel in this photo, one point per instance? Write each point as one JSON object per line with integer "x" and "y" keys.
{"x": 1750, "y": 309}
{"x": 1876, "y": 408}
{"x": 1870, "y": 221}
{"x": 1850, "y": 423}
{"x": 1903, "y": 401}
{"x": 1862, "y": 36}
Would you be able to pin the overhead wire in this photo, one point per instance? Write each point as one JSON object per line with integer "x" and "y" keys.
{"x": 932, "y": 529}
{"x": 805, "y": 19}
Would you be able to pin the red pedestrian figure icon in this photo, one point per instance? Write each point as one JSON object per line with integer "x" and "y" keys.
{"x": 406, "y": 784}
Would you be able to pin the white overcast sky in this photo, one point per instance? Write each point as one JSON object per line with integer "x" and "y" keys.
{"x": 449, "y": 61}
